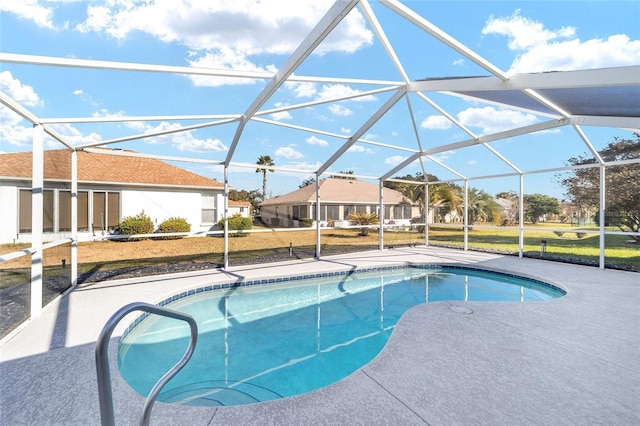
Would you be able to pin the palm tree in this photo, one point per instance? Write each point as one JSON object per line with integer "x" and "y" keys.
{"x": 482, "y": 207}
{"x": 364, "y": 220}
{"x": 265, "y": 161}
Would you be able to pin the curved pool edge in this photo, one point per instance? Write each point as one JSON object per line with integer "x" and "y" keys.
{"x": 338, "y": 273}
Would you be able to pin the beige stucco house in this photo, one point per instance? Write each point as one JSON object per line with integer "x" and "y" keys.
{"x": 338, "y": 199}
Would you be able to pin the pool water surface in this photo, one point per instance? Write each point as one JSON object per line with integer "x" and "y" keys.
{"x": 263, "y": 342}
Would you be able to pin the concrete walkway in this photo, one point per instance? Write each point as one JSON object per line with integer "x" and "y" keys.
{"x": 573, "y": 360}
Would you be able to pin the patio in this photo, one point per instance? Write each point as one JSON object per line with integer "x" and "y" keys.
{"x": 572, "y": 360}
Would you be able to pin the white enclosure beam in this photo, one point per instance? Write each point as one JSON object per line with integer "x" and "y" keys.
{"x": 362, "y": 130}
{"x": 445, "y": 38}
{"x": 328, "y": 22}
{"x": 37, "y": 205}
{"x": 603, "y": 77}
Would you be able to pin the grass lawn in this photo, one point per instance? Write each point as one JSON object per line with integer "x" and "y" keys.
{"x": 109, "y": 255}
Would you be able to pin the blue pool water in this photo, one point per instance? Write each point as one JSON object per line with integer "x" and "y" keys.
{"x": 263, "y": 342}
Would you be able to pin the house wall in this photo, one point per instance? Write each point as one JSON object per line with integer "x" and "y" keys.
{"x": 159, "y": 205}
{"x": 282, "y": 215}
{"x": 9, "y": 214}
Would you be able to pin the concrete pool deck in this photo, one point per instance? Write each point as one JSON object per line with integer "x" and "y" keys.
{"x": 573, "y": 360}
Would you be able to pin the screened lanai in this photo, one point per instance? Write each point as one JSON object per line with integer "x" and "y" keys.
{"x": 408, "y": 118}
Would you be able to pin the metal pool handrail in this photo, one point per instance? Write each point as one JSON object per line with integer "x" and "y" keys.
{"x": 102, "y": 360}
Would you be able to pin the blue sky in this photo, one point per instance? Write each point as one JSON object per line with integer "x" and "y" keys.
{"x": 527, "y": 36}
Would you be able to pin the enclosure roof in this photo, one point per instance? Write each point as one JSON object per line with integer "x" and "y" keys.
{"x": 594, "y": 98}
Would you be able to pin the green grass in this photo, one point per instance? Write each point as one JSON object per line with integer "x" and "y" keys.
{"x": 618, "y": 251}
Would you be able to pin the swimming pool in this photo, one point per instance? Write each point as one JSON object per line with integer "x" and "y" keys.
{"x": 262, "y": 342}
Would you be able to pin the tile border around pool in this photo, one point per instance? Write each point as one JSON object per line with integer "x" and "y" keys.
{"x": 265, "y": 281}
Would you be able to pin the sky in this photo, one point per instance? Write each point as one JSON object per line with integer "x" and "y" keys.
{"x": 259, "y": 36}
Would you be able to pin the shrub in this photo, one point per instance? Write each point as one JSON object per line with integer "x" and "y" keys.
{"x": 580, "y": 234}
{"x": 306, "y": 222}
{"x": 364, "y": 220}
{"x": 138, "y": 224}
{"x": 558, "y": 233}
{"x": 236, "y": 223}
{"x": 174, "y": 224}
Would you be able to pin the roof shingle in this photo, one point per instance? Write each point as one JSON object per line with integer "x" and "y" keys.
{"x": 333, "y": 190}
{"x": 103, "y": 167}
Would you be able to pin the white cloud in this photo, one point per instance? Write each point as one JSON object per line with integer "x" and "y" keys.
{"x": 282, "y": 115}
{"x": 491, "y": 120}
{"x": 333, "y": 91}
{"x": 184, "y": 141}
{"x": 19, "y": 92}
{"x": 394, "y": 160}
{"x": 11, "y": 131}
{"x": 303, "y": 89}
{"x": 345, "y": 130}
{"x": 616, "y": 50}
{"x": 543, "y": 49}
{"x": 78, "y": 92}
{"x": 74, "y": 136}
{"x": 313, "y": 140}
{"x": 250, "y": 26}
{"x": 288, "y": 152}
{"x": 436, "y": 122}
{"x": 226, "y": 59}
{"x": 339, "y": 110}
{"x": 30, "y": 10}
{"x": 360, "y": 148}
{"x": 524, "y": 33}
{"x": 459, "y": 62}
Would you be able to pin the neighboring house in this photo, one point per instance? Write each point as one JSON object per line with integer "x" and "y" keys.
{"x": 110, "y": 187}
{"x": 338, "y": 199}
{"x": 243, "y": 208}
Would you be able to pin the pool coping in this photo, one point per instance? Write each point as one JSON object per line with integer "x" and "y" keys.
{"x": 587, "y": 341}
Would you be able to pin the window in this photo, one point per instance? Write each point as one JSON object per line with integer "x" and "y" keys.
{"x": 348, "y": 209}
{"x": 402, "y": 212}
{"x": 208, "y": 214}
{"x": 24, "y": 209}
{"x": 56, "y": 212}
{"x": 333, "y": 212}
{"x": 361, "y": 209}
{"x": 300, "y": 212}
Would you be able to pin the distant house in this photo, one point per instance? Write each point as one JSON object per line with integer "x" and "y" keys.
{"x": 243, "y": 208}
{"x": 339, "y": 198}
{"x": 110, "y": 187}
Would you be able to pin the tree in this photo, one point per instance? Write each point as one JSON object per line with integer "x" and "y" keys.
{"x": 265, "y": 162}
{"x": 350, "y": 172}
{"x": 482, "y": 207}
{"x": 536, "y": 206}
{"x": 254, "y": 197}
{"x": 364, "y": 220}
{"x": 622, "y": 184}
{"x": 307, "y": 182}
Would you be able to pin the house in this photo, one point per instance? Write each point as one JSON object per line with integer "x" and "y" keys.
{"x": 338, "y": 199}
{"x": 243, "y": 208}
{"x": 111, "y": 186}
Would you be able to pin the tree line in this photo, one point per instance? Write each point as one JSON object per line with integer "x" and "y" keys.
{"x": 581, "y": 186}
